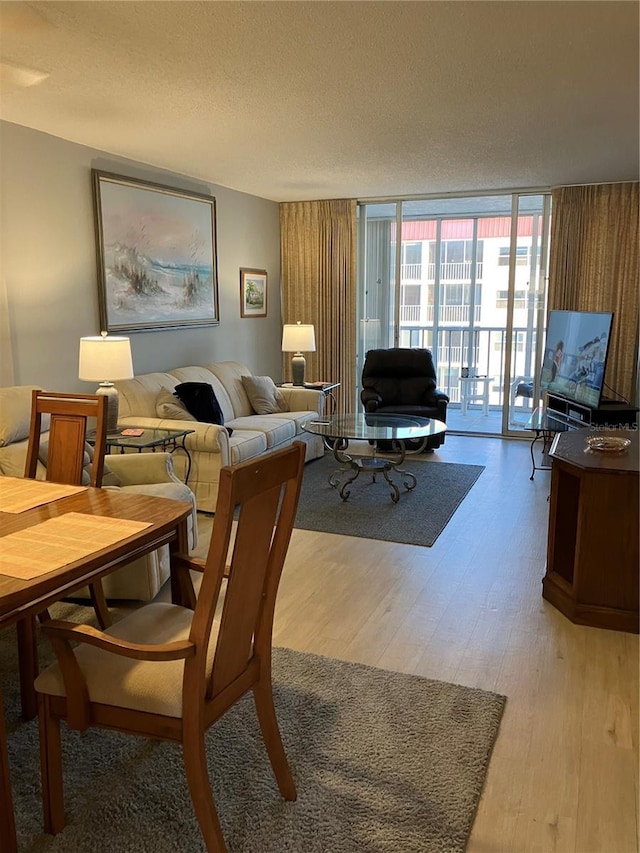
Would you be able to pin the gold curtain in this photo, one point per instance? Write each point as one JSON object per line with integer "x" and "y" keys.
{"x": 594, "y": 267}
{"x": 318, "y": 269}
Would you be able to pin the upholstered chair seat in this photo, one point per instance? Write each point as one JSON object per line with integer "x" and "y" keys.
{"x": 141, "y": 685}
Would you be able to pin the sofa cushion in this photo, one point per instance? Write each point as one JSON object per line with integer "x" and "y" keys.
{"x": 277, "y": 430}
{"x": 15, "y": 413}
{"x": 263, "y": 395}
{"x": 300, "y": 418}
{"x": 200, "y": 400}
{"x": 246, "y": 444}
{"x": 170, "y": 406}
{"x": 149, "y": 686}
{"x": 229, "y": 374}
{"x": 138, "y": 395}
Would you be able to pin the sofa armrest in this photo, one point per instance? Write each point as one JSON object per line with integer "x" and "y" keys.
{"x": 303, "y": 399}
{"x": 136, "y": 469}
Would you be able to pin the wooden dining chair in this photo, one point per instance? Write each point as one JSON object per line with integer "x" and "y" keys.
{"x": 67, "y": 424}
{"x": 168, "y": 672}
{"x": 65, "y": 417}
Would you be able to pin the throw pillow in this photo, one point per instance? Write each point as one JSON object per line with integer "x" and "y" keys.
{"x": 200, "y": 400}
{"x": 263, "y": 395}
{"x": 169, "y": 406}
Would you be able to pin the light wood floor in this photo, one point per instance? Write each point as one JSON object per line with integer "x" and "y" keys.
{"x": 564, "y": 771}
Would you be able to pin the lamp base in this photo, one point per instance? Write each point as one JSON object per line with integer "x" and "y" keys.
{"x": 109, "y": 390}
{"x": 298, "y": 367}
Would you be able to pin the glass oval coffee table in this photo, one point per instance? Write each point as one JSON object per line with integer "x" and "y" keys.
{"x": 339, "y": 430}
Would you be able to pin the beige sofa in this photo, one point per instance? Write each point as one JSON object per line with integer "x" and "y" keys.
{"x": 149, "y": 474}
{"x": 210, "y": 446}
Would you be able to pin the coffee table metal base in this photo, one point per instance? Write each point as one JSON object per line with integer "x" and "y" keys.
{"x": 369, "y": 464}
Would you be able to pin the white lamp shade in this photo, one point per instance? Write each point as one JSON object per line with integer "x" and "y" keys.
{"x": 105, "y": 359}
{"x": 298, "y": 337}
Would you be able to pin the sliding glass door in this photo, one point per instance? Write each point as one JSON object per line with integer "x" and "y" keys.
{"x": 465, "y": 277}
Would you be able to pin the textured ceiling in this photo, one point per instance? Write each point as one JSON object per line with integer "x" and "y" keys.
{"x": 308, "y": 100}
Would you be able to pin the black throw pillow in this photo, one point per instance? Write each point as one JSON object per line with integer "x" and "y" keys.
{"x": 200, "y": 400}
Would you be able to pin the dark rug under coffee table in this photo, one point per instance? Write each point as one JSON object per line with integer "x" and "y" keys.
{"x": 418, "y": 518}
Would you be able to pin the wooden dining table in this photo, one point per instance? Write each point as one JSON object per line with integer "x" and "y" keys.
{"x": 53, "y": 548}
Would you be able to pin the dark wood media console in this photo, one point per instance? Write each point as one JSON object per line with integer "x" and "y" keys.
{"x": 592, "y": 549}
{"x": 610, "y": 413}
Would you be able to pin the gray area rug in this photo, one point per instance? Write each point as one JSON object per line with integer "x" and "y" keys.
{"x": 383, "y": 763}
{"x": 418, "y": 518}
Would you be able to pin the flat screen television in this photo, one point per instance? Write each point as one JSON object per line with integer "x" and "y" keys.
{"x": 575, "y": 355}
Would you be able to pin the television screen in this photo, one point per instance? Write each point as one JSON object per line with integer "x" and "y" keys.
{"x": 575, "y": 355}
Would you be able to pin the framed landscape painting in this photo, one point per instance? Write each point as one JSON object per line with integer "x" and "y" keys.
{"x": 253, "y": 293}
{"x": 156, "y": 254}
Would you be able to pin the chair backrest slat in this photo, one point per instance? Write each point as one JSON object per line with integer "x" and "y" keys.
{"x": 262, "y": 496}
{"x": 69, "y": 416}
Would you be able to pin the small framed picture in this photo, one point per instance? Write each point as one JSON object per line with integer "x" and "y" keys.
{"x": 253, "y": 293}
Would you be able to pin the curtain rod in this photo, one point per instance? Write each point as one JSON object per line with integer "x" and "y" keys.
{"x": 456, "y": 194}
{"x": 475, "y": 193}
{"x": 593, "y": 184}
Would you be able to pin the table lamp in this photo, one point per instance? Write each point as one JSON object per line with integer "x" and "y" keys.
{"x": 298, "y": 338}
{"x": 104, "y": 359}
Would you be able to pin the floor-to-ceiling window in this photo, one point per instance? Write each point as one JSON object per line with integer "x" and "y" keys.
{"x": 465, "y": 277}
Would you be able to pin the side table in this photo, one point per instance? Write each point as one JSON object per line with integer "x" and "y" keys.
{"x": 546, "y": 427}
{"x": 168, "y": 440}
{"x": 475, "y": 389}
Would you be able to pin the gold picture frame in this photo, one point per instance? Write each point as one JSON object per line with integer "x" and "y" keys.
{"x": 156, "y": 254}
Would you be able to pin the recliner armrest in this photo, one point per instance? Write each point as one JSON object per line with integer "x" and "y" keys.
{"x": 370, "y": 399}
{"x": 439, "y": 396}
{"x": 435, "y": 398}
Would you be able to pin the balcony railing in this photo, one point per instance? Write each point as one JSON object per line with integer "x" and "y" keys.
{"x": 451, "y": 271}
{"x": 410, "y": 314}
{"x": 424, "y": 314}
{"x": 411, "y": 272}
{"x": 487, "y": 347}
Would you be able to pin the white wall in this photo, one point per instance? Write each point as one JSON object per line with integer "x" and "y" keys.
{"x": 48, "y": 267}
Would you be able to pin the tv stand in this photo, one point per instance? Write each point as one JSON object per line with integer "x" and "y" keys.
{"x": 610, "y": 414}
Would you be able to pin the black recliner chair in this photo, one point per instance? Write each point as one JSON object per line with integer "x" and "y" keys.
{"x": 403, "y": 382}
